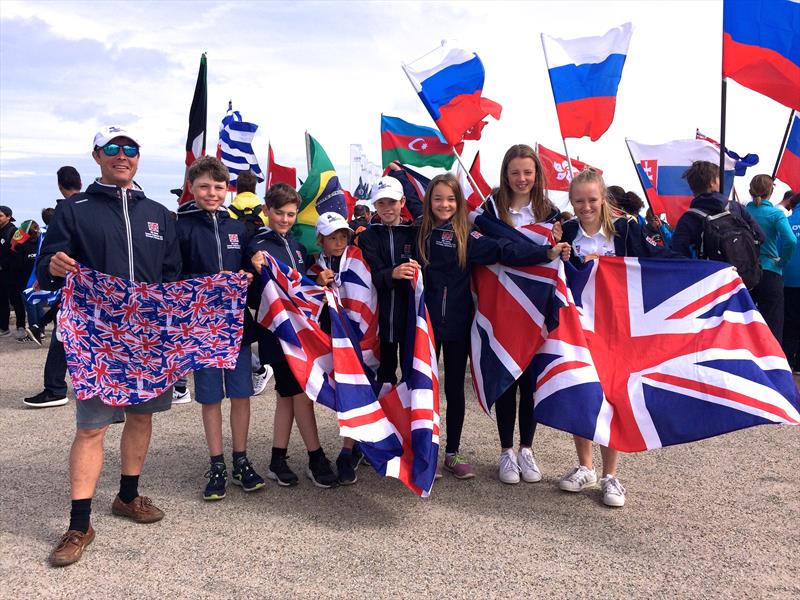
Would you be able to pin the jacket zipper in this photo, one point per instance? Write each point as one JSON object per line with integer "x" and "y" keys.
{"x": 216, "y": 237}
{"x": 391, "y": 293}
{"x": 444, "y": 306}
{"x": 127, "y": 218}
{"x": 289, "y": 252}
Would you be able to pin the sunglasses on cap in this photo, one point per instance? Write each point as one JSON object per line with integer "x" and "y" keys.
{"x": 127, "y": 150}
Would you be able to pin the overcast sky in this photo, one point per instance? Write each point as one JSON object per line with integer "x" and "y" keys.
{"x": 68, "y": 68}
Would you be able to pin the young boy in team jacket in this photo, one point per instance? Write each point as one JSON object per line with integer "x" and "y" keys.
{"x": 211, "y": 242}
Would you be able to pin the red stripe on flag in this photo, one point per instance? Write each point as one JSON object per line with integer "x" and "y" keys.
{"x": 588, "y": 116}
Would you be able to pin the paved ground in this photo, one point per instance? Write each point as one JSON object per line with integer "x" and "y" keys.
{"x": 717, "y": 518}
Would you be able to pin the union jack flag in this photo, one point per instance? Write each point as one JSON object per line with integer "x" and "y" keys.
{"x": 132, "y": 342}
{"x": 510, "y": 300}
{"x": 397, "y": 427}
{"x": 661, "y": 352}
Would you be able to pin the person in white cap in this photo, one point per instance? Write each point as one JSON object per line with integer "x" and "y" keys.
{"x": 113, "y": 228}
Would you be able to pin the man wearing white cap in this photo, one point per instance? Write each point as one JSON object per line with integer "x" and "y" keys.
{"x": 113, "y": 228}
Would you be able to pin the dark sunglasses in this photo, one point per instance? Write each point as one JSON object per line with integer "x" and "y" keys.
{"x": 127, "y": 150}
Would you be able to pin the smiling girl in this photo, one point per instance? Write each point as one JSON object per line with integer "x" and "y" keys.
{"x": 447, "y": 247}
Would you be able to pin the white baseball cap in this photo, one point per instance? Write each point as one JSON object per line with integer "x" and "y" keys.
{"x": 329, "y": 222}
{"x": 106, "y": 134}
{"x": 387, "y": 187}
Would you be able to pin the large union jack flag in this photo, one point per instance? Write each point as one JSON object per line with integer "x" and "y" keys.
{"x": 397, "y": 427}
{"x": 515, "y": 309}
{"x": 128, "y": 342}
{"x": 661, "y": 352}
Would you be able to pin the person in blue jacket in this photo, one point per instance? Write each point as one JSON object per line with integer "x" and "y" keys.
{"x": 768, "y": 293}
{"x": 212, "y": 242}
{"x": 114, "y": 228}
{"x": 791, "y": 294}
{"x": 447, "y": 247}
{"x": 281, "y": 203}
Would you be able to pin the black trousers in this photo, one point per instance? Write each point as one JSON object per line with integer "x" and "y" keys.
{"x": 454, "y": 356}
{"x": 55, "y": 368}
{"x": 387, "y": 371}
{"x": 506, "y": 411}
{"x": 791, "y": 326}
{"x": 768, "y": 296}
{"x": 10, "y": 295}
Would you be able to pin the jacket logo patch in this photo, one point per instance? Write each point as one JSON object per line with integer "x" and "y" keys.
{"x": 233, "y": 242}
{"x": 299, "y": 256}
{"x": 447, "y": 236}
{"x": 153, "y": 231}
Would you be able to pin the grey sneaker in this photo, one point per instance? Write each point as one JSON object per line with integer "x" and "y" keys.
{"x": 613, "y": 492}
{"x": 577, "y": 479}
{"x": 260, "y": 379}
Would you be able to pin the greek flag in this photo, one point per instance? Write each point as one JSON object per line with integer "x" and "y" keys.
{"x": 235, "y": 148}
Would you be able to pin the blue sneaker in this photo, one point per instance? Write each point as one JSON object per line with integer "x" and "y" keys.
{"x": 217, "y": 482}
{"x": 245, "y": 476}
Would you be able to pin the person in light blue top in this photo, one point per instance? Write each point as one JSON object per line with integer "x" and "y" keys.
{"x": 768, "y": 294}
{"x": 791, "y": 293}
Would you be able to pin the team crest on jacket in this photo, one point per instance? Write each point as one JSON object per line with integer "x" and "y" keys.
{"x": 153, "y": 231}
{"x": 299, "y": 255}
{"x": 233, "y": 241}
{"x": 446, "y": 240}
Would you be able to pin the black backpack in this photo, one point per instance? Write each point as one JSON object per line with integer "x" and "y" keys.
{"x": 251, "y": 217}
{"x": 728, "y": 238}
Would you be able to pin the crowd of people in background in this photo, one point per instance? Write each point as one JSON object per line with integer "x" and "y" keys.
{"x": 440, "y": 242}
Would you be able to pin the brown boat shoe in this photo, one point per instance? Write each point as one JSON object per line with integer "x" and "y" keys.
{"x": 70, "y": 547}
{"x": 141, "y": 510}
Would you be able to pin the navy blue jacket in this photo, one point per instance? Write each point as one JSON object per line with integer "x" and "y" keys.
{"x": 447, "y": 285}
{"x": 628, "y": 241}
{"x": 6, "y": 233}
{"x": 114, "y": 231}
{"x": 689, "y": 230}
{"x": 384, "y": 247}
{"x": 211, "y": 243}
{"x": 289, "y": 251}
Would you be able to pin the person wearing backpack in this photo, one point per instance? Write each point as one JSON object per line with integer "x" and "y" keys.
{"x": 714, "y": 228}
{"x": 768, "y": 294}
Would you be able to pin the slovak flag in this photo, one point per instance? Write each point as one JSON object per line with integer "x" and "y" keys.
{"x": 789, "y": 167}
{"x": 474, "y": 197}
{"x": 585, "y": 74}
{"x": 761, "y": 47}
{"x": 449, "y": 81}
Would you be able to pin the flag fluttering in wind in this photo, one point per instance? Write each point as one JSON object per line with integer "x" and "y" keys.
{"x": 196, "y": 136}
{"x": 661, "y": 166}
{"x": 449, "y": 81}
{"x": 414, "y": 145}
{"x": 278, "y": 173}
{"x": 473, "y": 197}
{"x": 235, "y": 148}
{"x": 321, "y": 192}
{"x": 556, "y": 169}
{"x": 761, "y": 47}
{"x": 742, "y": 162}
{"x": 789, "y": 167}
{"x": 585, "y": 74}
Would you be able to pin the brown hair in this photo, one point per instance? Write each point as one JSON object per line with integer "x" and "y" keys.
{"x": 281, "y": 194}
{"x": 461, "y": 226}
{"x": 761, "y": 188}
{"x": 208, "y": 165}
{"x": 700, "y": 176}
{"x": 540, "y": 203}
{"x": 246, "y": 182}
{"x": 589, "y": 175}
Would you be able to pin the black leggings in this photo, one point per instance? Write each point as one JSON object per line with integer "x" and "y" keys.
{"x": 11, "y": 293}
{"x": 768, "y": 296}
{"x": 455, "y": 370}
{"x": 506, "y": 410}
{"x": 387, "y": 371}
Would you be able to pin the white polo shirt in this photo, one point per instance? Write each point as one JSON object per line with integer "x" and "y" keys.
{"x": 523, "y": 216}
{"x": 587, "y": 245}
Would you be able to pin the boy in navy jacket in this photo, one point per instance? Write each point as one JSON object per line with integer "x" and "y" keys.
{"x": 211, "y": 242}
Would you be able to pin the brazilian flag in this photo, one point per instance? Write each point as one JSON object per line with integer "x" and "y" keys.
{"x": 320, "y": 193}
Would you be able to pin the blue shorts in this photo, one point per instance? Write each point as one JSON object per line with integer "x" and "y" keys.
{"x": 94, "y": 414}
{"x": 211, "y": 384}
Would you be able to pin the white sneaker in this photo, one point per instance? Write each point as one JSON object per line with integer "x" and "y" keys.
{"x": 577, "y": 479}
{"x": 613, "y": 492}
{"x": 21, "y": 334}
{"x": 260, "y": 380}
{"x": 509, "y": 467}
{"x": 528, "y": 467}
{"x": 179, "y": 397}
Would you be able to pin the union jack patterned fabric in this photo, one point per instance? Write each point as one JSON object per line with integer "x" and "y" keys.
{"x": 509, "y": 301}
{"x": 128, "y": 342}
{"x": 397, "y": 427}
{"x": 660, "y": 352}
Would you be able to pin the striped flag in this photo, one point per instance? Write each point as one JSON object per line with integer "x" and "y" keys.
{"x": 196, "y": 136}
{"x": 235, "y": 147}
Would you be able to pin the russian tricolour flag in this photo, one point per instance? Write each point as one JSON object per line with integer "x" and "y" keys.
{"x": 585, "y": 75}
{"x": 789, "y": 168}
{"x": 449, "y": 82}
{"x": 761, "y": 47}
{"x": 661, "y": 167}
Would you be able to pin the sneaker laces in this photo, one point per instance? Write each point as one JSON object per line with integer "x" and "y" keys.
{"x": 611, "y": 485}
{"x": 244, "y": 466}
{"x": 528, "y": 459}
{"x": 457, "y": 459}
{"x": 507, "y": 463}
{"x": 578, "y": 474}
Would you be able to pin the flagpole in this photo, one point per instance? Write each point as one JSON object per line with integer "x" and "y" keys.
{"x": 469, "y": 175}
{"x": 638, "y": 174}
{"x": 569, "y": 161}
{"x": 722, "y": 135}
{"x": 783, "y": 144}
